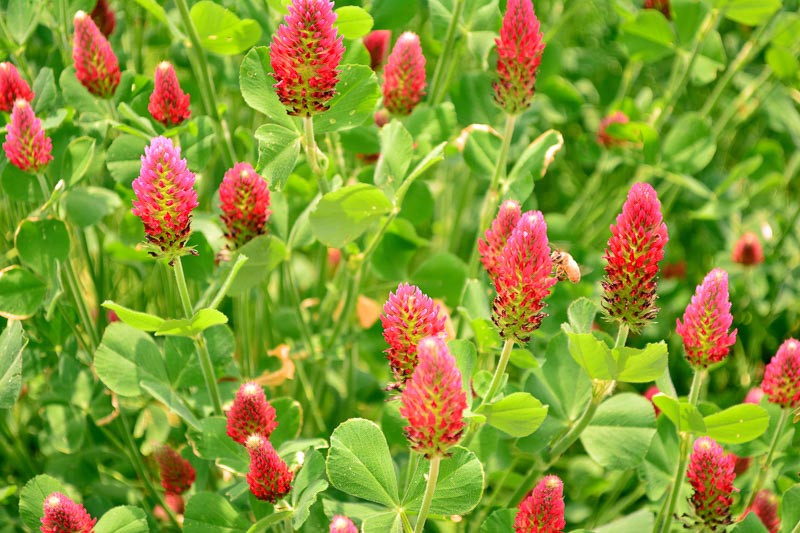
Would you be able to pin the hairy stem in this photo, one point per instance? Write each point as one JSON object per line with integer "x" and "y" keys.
{"x": 312, "y": 155}
{"x": 430, "y": 488}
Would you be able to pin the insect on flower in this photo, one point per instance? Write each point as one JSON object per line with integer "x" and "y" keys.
{"x": 565, "y": 266}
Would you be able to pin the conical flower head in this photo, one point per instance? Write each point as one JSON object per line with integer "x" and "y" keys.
{"x": 404, "y": 76}
{"x": 782, "y": 376}
{"x": 342, "y": 524}
{"x": 103, "y": 16}
{"x": 747, "y": 250}
{"x": 604, "y": 138}
{"x": 523, "y": 279}
{"x": 706, "y": 322}
{"x": 177, "y": 474}
{"x": 62, "y": 515}
{"x": 12, "y": 87}
{"x": 765, "y": 507}
{"x": 250, "y": 414}
{"x": 660, "y": 5}
{"x": 244, "y": 200}
{"x": 165, "y": 197}
{"x": 542, "y": 510}
{"x": 497, "y": 236}
{"x": 26, "y": 145}
{"x": 269, "y": 478}
{"x": 408, "y": 317}
{"x": 519, "y": 52}
{"x": 96, "y": 66}
{"x": 377, "y": 44}
{"x": 169, "y": 105}
{"x": 711, "y": 474}
{"x": 634, "y": 250}
{"x": 433, "y": 401}
{"x": 305, "y": 55}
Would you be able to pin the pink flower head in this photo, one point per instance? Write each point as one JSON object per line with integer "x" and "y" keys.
{"x": 62, "y": 515}
{"x": 177, "y": 474}
{"x": 542, "y": 510}
{"x": 497, "y": 236}
{"x": 165, "y": 196}
{"x": 519, "y": 52}
{"x": 754, "y": 395}
{"x": 244, "y": 200}
{"x": 408, "y": 317}
{"x": 342, "y": 524}
{"x": 706, "y": 322}
{"x": 169, "y": 105}
{"x": 747, "y": 250}
{"x": 103, "y": 16}
{"x": 523, "y": 279}
{"x": 604, "y": 138}
{"x": 250, "y": 414}
{"x": 96, "y": 66}
{"x": 711, "y": 474}
{"x": 781, "y": 382}
{"x": 305, "y": 55}
{"x": 404, "y": 76}
{"x": 26, "y": 145}
{"x": 660, "y": 5}
{"x": 12, "y": 87}
{"x": 377, "y": 44}
{"x": 433, "y": 401}
{"x": 269, "y": 478}
{"x": 649, "y": 393}
{"x": 765, "y": 507}
{"x": 634, "y": 250}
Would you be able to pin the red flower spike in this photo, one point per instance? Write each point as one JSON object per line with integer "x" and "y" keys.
{"x": 433, "y": 401}
{"x": 250, "y": 414}
{"x": 244, "y": 200}
{"x": 497, "y": 236}
{"x": 269, "y": 478}
{"x": 519, "y": 52}
{"x": 377, "y": 44}
{"x": 542, "y": 510}
{"x": 634, "y": 250}
{"x": 706, "y": 322}
{"x": 754, "y": 395}
{"x": 26, "y": 146}
{"x": 741, "y": 464}
{"x": 408, "y": 317}
{"x": 169, "y": 105}
{"x": 747, "y": 250}
{"x": 96, "y": 66}
{"x": 649, "y": 393}
{"x": 660, "y": 5}
{"x": 404, "y": 76}
{"x": 781, "y": 382}
{"x": 523, "y": 279}
{"x": 103, "y": 16}
{"x": 177, "y": 474}
{"x": 604, "y": 138}
{"x": 711, "y": 474}
{"x": 62, "y": 515}
{"x": 165, "y": 197}
{"x": 765, "y": 507}
{"x": 305, "y": 55}
{"x": 342, "y": 524}
{"x": 12, "y": 87}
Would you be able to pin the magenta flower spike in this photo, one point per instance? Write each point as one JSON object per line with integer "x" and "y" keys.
{"x": 542, "y": 510}
{"x": 342, "y": 524}
{"x": 377, "y": 44}
{"x": 748, "y": 250}
{"x": 497, "y": 235}
{"x": 519, "y": 52}
{"x": 524, "y": 279}
{"x": 433, "y": 401}
{"x": 12, "y": 87}
{"x": 404, "y": 76}
{"x": 62, "y": 515}
{"x": 781, "y": 382}
{"x": 250, "y": 414}
{"x": 26, "y": 146}
{"x": 96, "y": 66}
{"x": 165, "y": 197}
{"x": 706, "y": 322}
{"x": 305, "y": 55}
{"x": 765, "y": 507}
{"x": 177, "y": 473}
{"x": 244, "y": 200}
{"x": 104, "y": 17}
{"x": 634, "y": 250}
{"x": 169, "y": 105}
{"x": 269, "y": 478}
{"x": 711, "y": 474}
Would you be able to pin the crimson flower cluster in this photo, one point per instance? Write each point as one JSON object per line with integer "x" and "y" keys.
{"x": 542, "y": 510}
{"x": 404, "y": 76}
{"x": 747, "y": 250}
{"x": 12, "y": 87}
{"x": 26, "y": 146}
{"x": 497, "y": 235}
{"x": 177, "y": 475}
{"x": 244, "y": 201}
{"x": 250, "y": 414}
{"x": 169, "y": 105}
{"x": 96, "y": 66}
{"x": 765, "y": 507}
{"x": 781, "y": 382}
{"x": 660, "y": 5}
{"x": 711, "y": 474}
{"x": 61, "y": 514}
{"x": 104, "y": 17}
{"x": 377, "y": 44}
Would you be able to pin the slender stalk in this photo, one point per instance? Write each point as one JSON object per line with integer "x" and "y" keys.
{"x": 62, "y": 5}
{"x": 499, "y": 372}
{"x": 765, "y": 466}
{"x": 563, "y": 444}
{"x": 204, "y": 358}
{"x": 312, "y": 155}
{"x": 430, "y": 488}
{"x": 622, "y": 335}
{"x": 80, "y": 305}
{"x": 437, "y": 89}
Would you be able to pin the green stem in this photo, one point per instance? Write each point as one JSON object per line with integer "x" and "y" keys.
{"x": 80, "y": 305}
{"x": 62, "y": 4}
{"x": 204, "y": 358}
{"x": 563, "y": 444}
{"x": 622, "y": 335}
{"x": 312, "y": 155}
{"x": 499, "y": 372}
{"x": 765, "y": 466}
{"x": 437, "y": 91}
{"x": 430, "y": 488}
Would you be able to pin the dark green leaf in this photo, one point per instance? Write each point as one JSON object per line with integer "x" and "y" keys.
{"x": 21, "y": 293}
{"x": 619, "y": 435}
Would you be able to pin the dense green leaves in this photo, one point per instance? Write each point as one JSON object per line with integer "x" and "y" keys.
{"x": 354, "y": 103}
{"x": 42, "y": 244}
{"x": 622, "y": 364}
{"x": 207, "y": 512}
{"x": 21, "y": 293}
{"x": 221, "y": 31}
{"x": 649, "y": 37}
{"x": 343, "y": 215}
{"x": 353, "y": 22}
{"x": 458, "y": 488}
{"x": 125, "y": 357}
{"x": 519, "y": 414}
{"x": 619, "y": 435}
{"x": 12, "y": 343}
{"x": 123, "y": 519}
{"x": 32, "y": 496}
